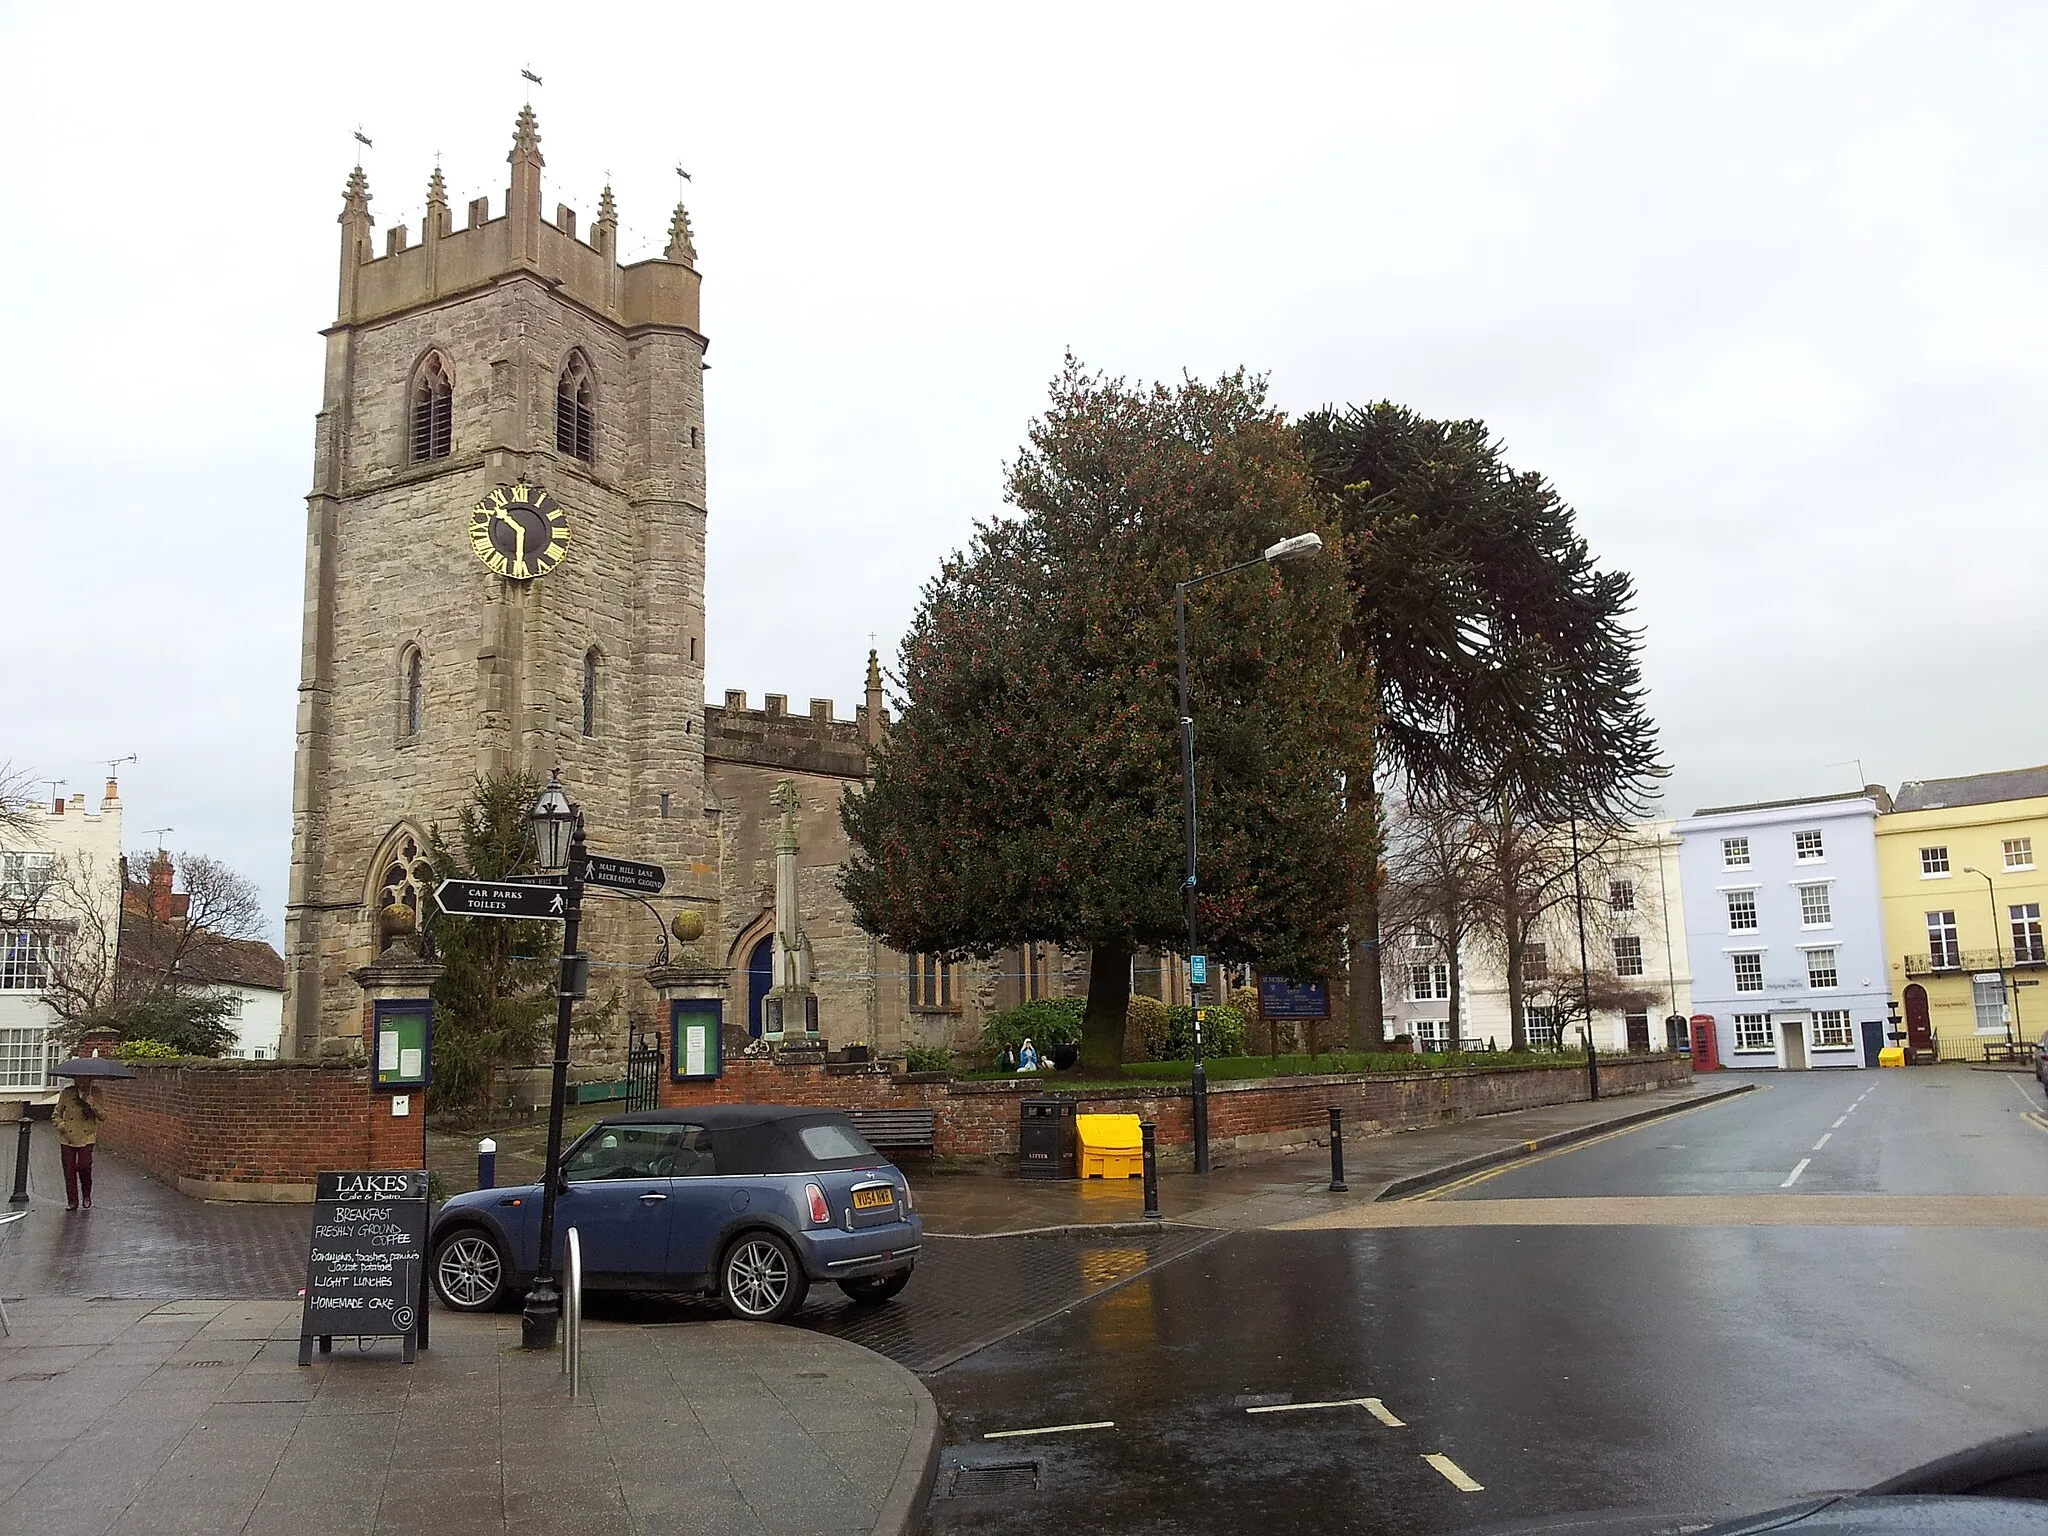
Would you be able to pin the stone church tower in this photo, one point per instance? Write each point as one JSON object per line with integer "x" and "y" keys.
{"x": 451, "y": 628}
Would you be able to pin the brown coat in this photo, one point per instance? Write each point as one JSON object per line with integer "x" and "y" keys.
{"x": 77, "y": 1122}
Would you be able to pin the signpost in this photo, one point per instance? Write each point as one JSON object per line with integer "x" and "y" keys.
{"x": 366, "y": 1270}
{"x": 1198, "y": 970}
{"x": 501, "y": 898}
{"x": 626, "y": 875}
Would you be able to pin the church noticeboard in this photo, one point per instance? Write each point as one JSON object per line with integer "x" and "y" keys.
{"x": 404, "y": 1031}
{"x": 694, "y": 1024}
{"x": 1280, "y": 998}
{"x": 367, "y": 1265}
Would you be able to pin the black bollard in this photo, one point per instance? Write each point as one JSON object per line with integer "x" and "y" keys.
{"x": 1592, "y": 1068}
{"x": 1147, "y": 1140}
{"x": 487, "y": 1164}
{"x": 1337, "y": 1184}
{"x": 20, "y": 1195}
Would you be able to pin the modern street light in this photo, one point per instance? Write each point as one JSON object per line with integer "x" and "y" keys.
{"x": 1998, "y": 950}
{"x": 1302, "y": 546}
{"x": 557, "y": 824}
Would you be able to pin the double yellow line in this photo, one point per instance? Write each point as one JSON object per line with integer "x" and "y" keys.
{"x": 1576, "y": 1146}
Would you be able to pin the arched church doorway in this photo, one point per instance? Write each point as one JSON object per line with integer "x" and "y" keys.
{"x": 760, "y": 981}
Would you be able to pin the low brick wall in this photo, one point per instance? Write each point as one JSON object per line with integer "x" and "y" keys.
{"x": 254, "y": 1130}
{"x": 979, "y": 1119}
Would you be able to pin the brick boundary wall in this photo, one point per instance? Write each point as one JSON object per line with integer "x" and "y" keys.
{"x": 978, "y": 1120}
{"x": 253, "y": 1130}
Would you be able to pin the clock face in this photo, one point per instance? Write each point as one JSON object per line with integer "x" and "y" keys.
{"x": 519, "y": 531}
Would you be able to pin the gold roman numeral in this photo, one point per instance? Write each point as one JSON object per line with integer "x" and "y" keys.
{"x": 555, "y": 552}
{"x": 519, "y": 493}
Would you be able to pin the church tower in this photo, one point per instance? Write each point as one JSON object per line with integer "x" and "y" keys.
{"x": 504, "y": 568}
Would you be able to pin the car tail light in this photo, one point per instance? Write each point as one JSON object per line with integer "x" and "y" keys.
{"x": 821, "y": 1213}
{"x": 909, "y": 1201}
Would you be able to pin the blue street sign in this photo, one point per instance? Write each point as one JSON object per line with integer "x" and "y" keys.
{"x": 1198, "y": 970}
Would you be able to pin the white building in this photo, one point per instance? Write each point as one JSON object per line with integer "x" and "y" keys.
{"x": 60, "y": 884}
{"x": 1635, "y": 939}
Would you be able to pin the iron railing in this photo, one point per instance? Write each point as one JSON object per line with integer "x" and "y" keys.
{"x": 1949, "y": 962}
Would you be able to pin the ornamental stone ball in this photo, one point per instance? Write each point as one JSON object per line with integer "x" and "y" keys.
{"x": 687, "y": 925}
{"x": 398, "y": 921}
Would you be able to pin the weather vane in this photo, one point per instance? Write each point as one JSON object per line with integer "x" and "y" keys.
{"x": 531, "y": 79}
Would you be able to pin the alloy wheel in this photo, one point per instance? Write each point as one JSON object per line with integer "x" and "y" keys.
{"x": 469, "y": 1271}
{"x": 757, "y": 1276}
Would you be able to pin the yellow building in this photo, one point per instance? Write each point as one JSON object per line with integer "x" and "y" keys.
{"x": 1963, "y": 895}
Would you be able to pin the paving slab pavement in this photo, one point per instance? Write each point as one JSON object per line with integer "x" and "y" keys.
{"x": 119, "y": 1416}
{"x": 1280, "y": 1191}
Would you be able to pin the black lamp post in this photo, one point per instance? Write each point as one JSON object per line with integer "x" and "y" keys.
{"x": 1303, "y": 546}
{"x": 1998, "y": 950}
{"x": 558, "y": 840}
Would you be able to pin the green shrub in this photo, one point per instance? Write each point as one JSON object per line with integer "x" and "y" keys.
{"x": 1148, "y": 1029}
{"x": 146, "y": 1050}
{"x": 1049, "y": 1022}
{"x": 1225, "y": 1032}
{"x": 927, "y": 1058}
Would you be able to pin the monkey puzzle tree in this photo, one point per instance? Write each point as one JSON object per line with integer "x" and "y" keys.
{"x": 1029, "y": 789}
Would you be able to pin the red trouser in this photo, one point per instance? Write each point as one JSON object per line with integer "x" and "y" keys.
{"x": 77, "y": 1174}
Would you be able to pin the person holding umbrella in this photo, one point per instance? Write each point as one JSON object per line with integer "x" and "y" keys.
{"x": 77, "y": 1119}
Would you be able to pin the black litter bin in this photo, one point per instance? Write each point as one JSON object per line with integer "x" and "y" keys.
{"x": 1045, "y": 1139}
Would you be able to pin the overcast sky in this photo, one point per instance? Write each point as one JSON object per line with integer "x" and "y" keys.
{"x": 1763, "y": 296}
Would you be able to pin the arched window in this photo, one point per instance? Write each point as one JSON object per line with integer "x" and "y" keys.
{"x": 405, "y": 876}
{"x": 591, "y": 660}
{"x": 432, "y": 432}
{"x": 412, "y": 694}
{"x": 575, "y": 415}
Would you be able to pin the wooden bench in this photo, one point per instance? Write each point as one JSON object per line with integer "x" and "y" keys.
{"x": 902, "y": 1128}
{"x": 2009, "y": 1050}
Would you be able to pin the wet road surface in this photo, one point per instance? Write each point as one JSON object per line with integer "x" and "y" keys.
{"x": 1542, "y": 1369}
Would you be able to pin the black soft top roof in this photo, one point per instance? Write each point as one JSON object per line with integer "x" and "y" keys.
{"x": 761, "y": 1138}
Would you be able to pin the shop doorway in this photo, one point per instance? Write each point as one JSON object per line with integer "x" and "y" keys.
{"x": 1791, "y": 1040}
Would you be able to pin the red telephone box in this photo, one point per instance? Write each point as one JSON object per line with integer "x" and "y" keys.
{"x": 1706, "y": 1046}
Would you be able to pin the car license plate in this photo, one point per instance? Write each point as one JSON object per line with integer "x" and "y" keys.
{"x": 873, "y": 1199}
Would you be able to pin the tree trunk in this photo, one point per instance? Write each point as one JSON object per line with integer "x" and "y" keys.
{"x": 1109, "y": 1005}
{"x": 1367, "y": 1006}
{"x": 1457, "y": 978}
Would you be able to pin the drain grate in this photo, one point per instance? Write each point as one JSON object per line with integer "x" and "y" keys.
{"x": 188, "y": 1364}
{"x": 35, "y": 1375}
{"x": 1261, "y": 1399}
{"x": 995, "y": 1477}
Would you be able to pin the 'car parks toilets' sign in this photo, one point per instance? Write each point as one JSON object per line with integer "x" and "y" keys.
{"x": 366, "y": 1270}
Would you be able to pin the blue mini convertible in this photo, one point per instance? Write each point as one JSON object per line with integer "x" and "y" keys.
{"x": 750, "y": 1203}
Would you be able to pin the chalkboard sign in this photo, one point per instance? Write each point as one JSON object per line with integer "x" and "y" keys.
{"x": 366, "y": 1270}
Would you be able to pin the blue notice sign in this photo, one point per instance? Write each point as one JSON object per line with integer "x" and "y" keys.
{"x": 1280, "y": 998}
{"x": 1198, "y": 970}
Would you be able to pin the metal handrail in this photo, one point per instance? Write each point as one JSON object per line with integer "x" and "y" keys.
{"x": 572, "y": 1316}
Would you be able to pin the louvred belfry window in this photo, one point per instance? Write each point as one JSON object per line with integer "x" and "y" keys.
{"x": 433, "y": 411}
{"x": 575, "y": 416}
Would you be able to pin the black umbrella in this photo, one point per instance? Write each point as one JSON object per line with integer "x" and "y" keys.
{"x": 89, "y": 1066}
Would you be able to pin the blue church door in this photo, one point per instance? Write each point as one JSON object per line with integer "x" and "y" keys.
{"x": 760, "y": 982}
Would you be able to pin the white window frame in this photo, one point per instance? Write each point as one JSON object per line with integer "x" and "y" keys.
{"x": 1735, "y": 962}
{"x": 1421, "y": 938}
{"x": 1807, "y": 893}
{"x": 1543, "y": 1025}
{"x": 1735, "y": 853}
{"x": 1621, "y": 894}
{"x": 1749, "y": 893}
{"x": 2019, "y": 852}
{"x": 1823, "y": 960}
{"x": 1429, "y": 982}
{"x": 1951, "y": 946}
{"x": 1801, "y": 854}
{"x": 25, "y": 876}
{"x": 1832, "y": 1030}
{"x": 1542, "y": 971}
{"x": 1753, "y": 1036}
{"x": 1616, "y": 943}
{"x": 1934, "y": 862}
{"x": 27, "y": 957}
{"x": 2024, "y": 918}
{"x": 21, "y": 1047}
{"x": 1980, "y": 984}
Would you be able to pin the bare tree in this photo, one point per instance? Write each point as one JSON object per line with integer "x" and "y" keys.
{"x": 185, "y": 935}
{"x": 1434, "y": 884}
{"x": 17, "y": 802}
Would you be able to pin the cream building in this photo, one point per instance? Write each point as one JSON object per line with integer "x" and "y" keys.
{"x": 60, "y": 884}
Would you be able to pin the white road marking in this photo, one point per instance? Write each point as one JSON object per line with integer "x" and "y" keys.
{"x": 1454, "y": 1474}
{"x": 1851, "y": 1109}
{"x": 1049, "y": 1429}
{"x": 1838, "y": 1124}
{"x": 1371, "y": 1405}
{"x": 1793, "y": 1177}
{"x": 1822, "y": 1142}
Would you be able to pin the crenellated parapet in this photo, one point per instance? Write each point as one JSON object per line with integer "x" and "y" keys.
{"x": 440, "y": 261}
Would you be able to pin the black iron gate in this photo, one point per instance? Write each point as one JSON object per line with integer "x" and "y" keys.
{"x": 643, "y": 1070}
